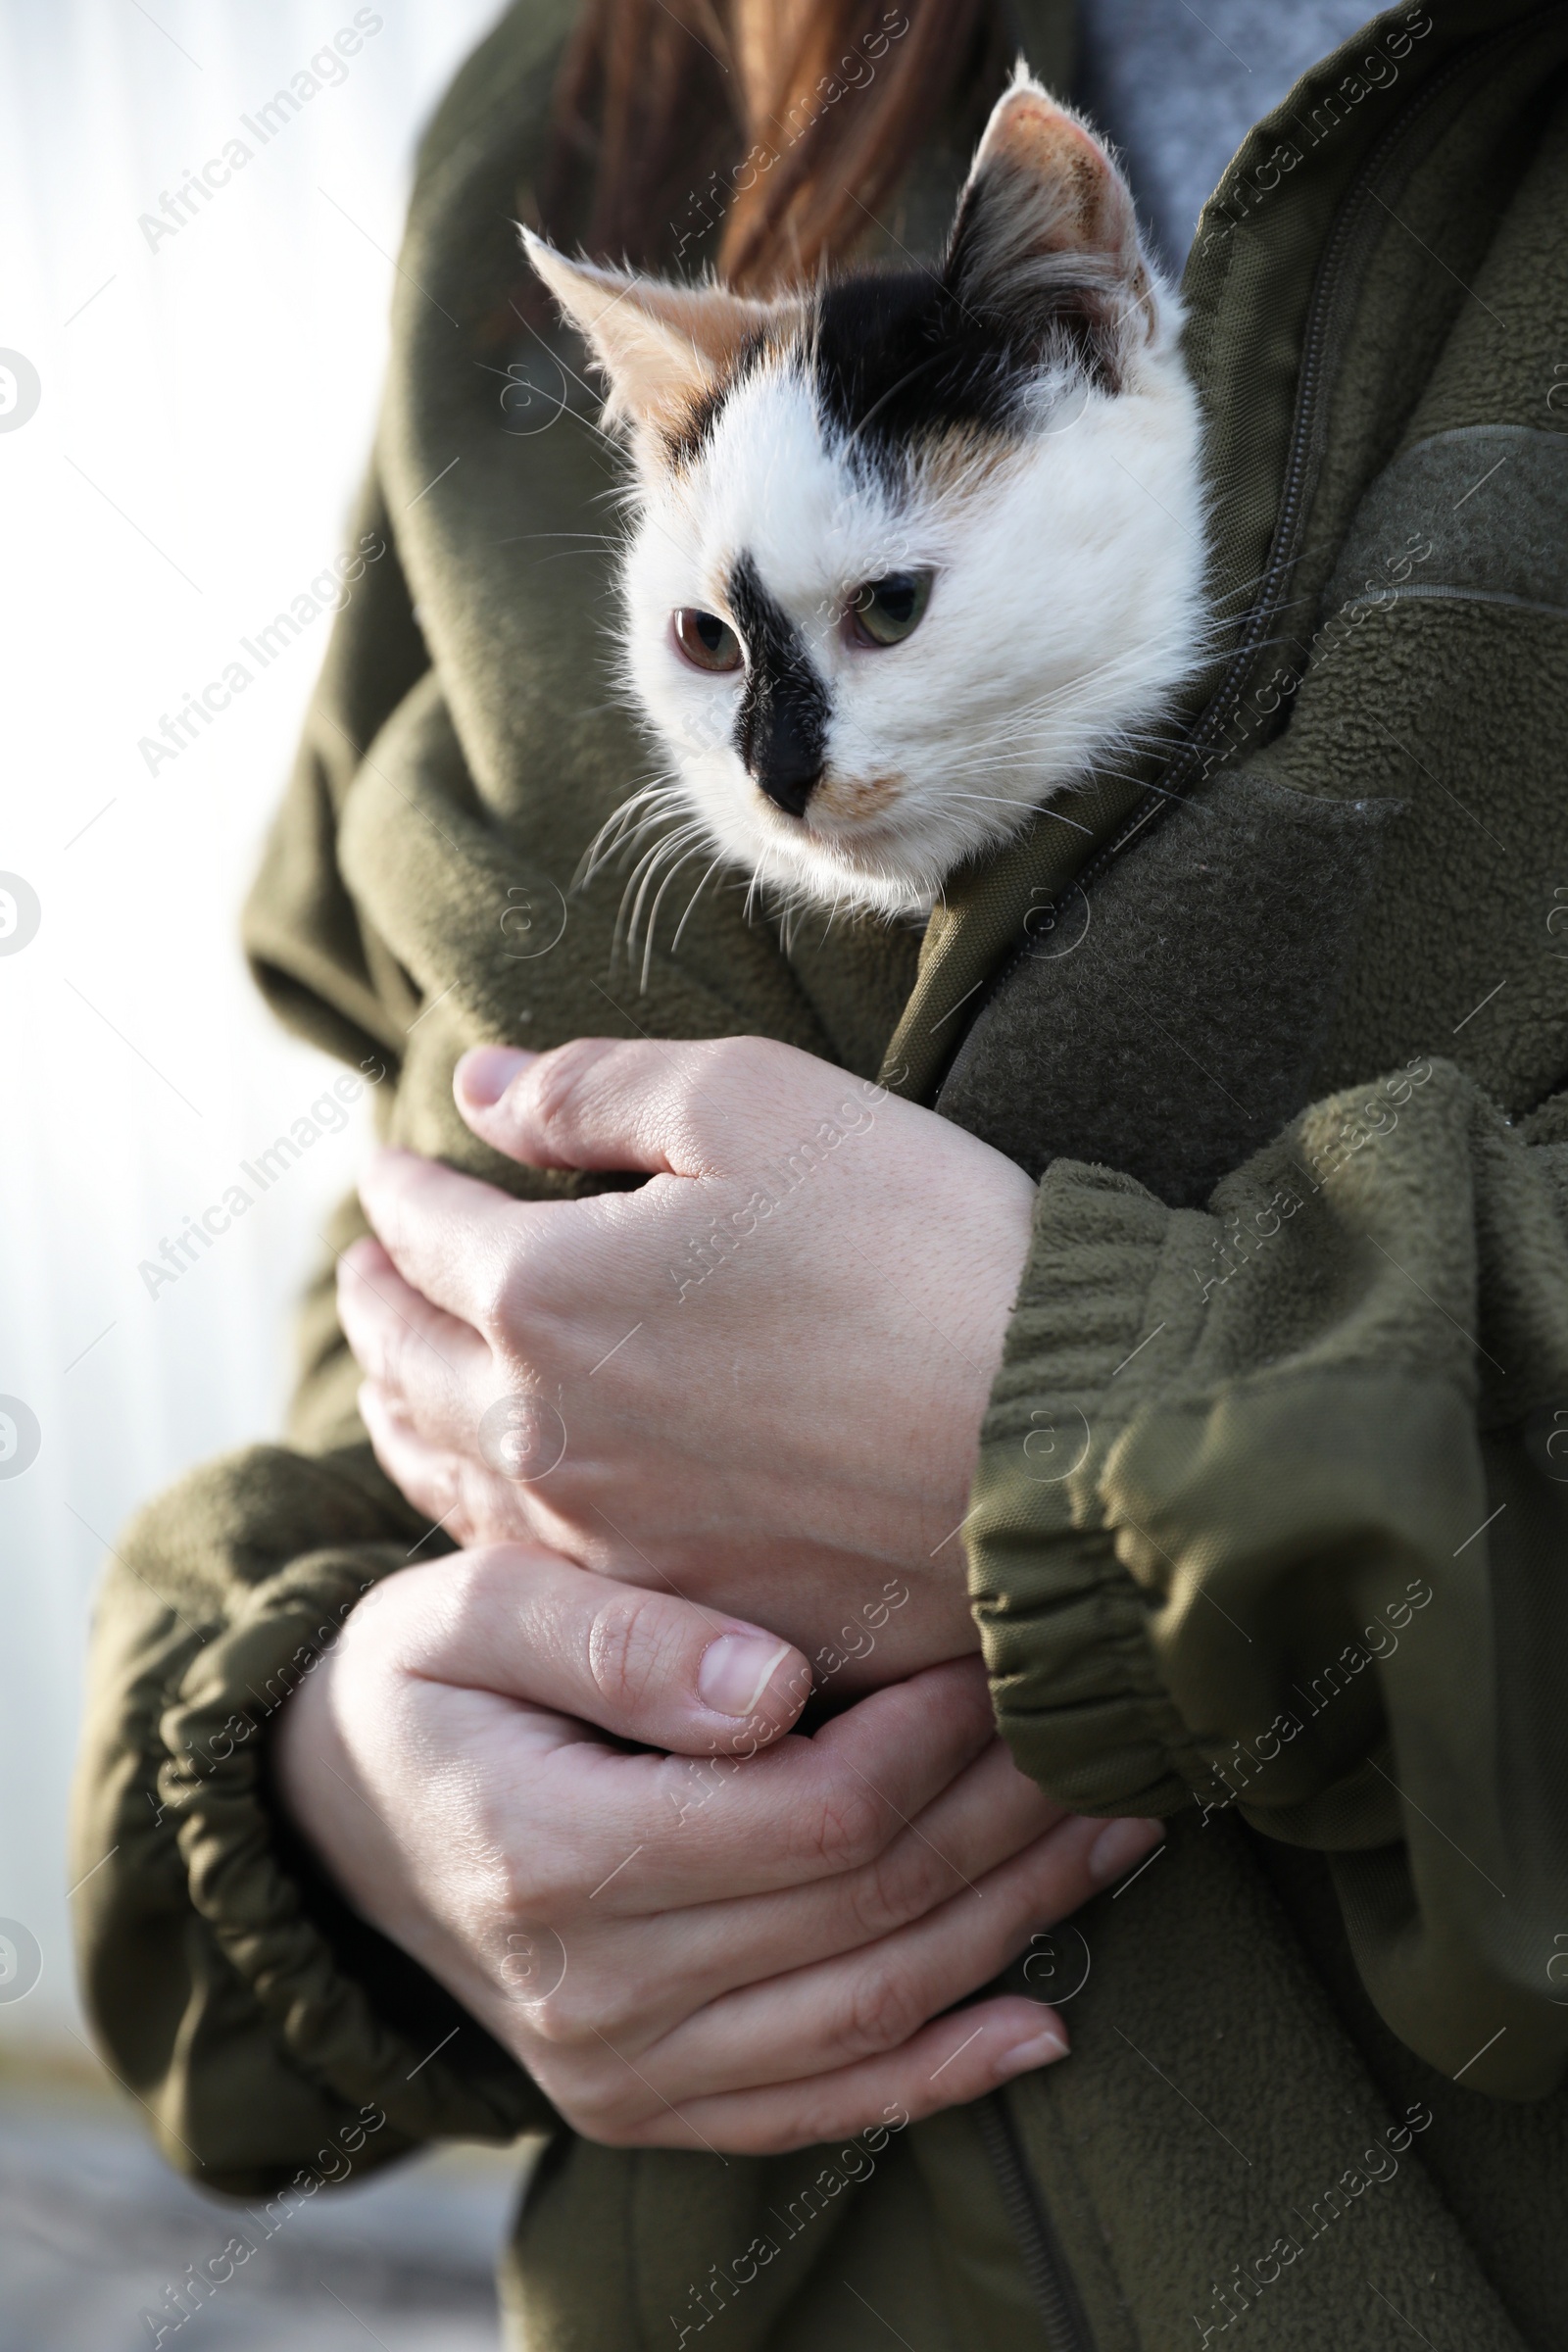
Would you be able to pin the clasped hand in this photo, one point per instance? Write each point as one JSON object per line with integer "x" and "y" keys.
{"x": 745, "y": 1396}
{"x": 758, "y": 1379}
{"x": 749, "y": 1941}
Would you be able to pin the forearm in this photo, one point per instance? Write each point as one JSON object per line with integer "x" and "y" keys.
{"x": 1257, "y": 1525}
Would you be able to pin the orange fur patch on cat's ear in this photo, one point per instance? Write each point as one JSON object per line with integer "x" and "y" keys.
{"x": 1041, "y": 187}
{"x": 1029, "y": 134}
{"x": 663, "y": 348}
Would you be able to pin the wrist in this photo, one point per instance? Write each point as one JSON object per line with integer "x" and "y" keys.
{"x": 307, "y": 1757}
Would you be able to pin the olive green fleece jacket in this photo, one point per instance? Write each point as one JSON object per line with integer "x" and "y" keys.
{"x": 1271, "y": 1513}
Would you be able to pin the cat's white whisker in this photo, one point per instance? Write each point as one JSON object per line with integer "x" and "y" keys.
{"x": 639, "y": 870}
{"x": 692, "y": 901}
{"x": 671, "y": 852}
{"x": 692, "y": 849}
{"x": 659, "y": 798}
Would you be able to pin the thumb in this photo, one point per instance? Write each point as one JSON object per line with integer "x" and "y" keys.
{"x": 683, "y": 1109}
{"x": 645, "y": 1666}
{"x": 597, "y": 1103}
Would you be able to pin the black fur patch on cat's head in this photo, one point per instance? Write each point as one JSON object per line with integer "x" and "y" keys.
{"x": 898, "y": 358}
{"x": 894, "y": 360}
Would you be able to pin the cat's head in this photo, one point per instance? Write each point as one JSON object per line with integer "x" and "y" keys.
{"x": 914, "y": 548}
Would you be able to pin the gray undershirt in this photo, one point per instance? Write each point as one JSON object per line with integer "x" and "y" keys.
{"x": 1177, "y": 88}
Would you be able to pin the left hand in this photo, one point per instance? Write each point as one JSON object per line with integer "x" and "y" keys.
{"x": 752, "y": 1952}
{"x": 756, "y": 1380}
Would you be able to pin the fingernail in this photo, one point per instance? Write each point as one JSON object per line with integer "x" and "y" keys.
{"x": 736, "y": 1670}
{"x": 1120, "y": 1845}
{"x": 484, "y": 1075}
{"x": 1041, "y": 2049}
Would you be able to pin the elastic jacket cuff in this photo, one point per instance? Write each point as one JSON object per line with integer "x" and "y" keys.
{"x": 284, "y": 1932}
{"x": 1105, "y": 1308}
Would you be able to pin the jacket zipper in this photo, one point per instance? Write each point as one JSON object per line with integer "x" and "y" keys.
{"x": 1051, "y": 2280}
{"x": 1045, "y": 2266}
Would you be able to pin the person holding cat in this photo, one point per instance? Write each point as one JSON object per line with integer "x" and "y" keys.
{"x": 1026, "y": 1311}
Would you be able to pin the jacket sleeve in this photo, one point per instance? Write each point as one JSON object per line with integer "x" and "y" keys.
{"x": 1272, "y": 1513}
{"x": 268, "y": 2032}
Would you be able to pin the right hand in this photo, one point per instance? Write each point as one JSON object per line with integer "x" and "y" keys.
{"x": 750, "y": 1953}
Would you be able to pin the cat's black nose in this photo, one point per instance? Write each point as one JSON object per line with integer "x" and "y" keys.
{"x": 783, "y": 732}
{"x": 789, "y": 775}
{"x": 781, "y": 728}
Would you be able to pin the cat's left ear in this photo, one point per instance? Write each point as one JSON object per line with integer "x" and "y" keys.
{"x": 1046, "y": 232}
{"x": 663, "y": 348}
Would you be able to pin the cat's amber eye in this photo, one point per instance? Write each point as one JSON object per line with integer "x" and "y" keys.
{"x": 707, "y": 642}
{"x": 887, "y": 611}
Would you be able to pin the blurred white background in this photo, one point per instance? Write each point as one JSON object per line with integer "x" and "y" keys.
{"x": 204, "y": 408}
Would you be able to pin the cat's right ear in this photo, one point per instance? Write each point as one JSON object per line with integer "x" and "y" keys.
{"x": 664, "y": 349}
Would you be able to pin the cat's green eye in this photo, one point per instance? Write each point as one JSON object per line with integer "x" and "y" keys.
{"x": 707, "y": 642}
{"x": 887, "y": 611}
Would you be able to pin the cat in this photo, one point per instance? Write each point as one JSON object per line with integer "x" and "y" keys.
{"x": 915, "y": 549}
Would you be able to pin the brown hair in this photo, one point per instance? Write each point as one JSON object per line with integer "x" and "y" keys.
{"x": 792, "y": 121}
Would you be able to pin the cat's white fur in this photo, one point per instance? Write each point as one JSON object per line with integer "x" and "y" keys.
{"x": 1065, "y": 610}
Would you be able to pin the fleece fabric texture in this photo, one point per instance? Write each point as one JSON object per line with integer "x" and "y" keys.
{"x": 1268, "y": 1528}
{"x": 1250, "y": 892}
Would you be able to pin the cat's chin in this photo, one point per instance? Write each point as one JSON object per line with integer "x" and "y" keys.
{"x": 874, "y": 869}
{"x": 833, "y": 883}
